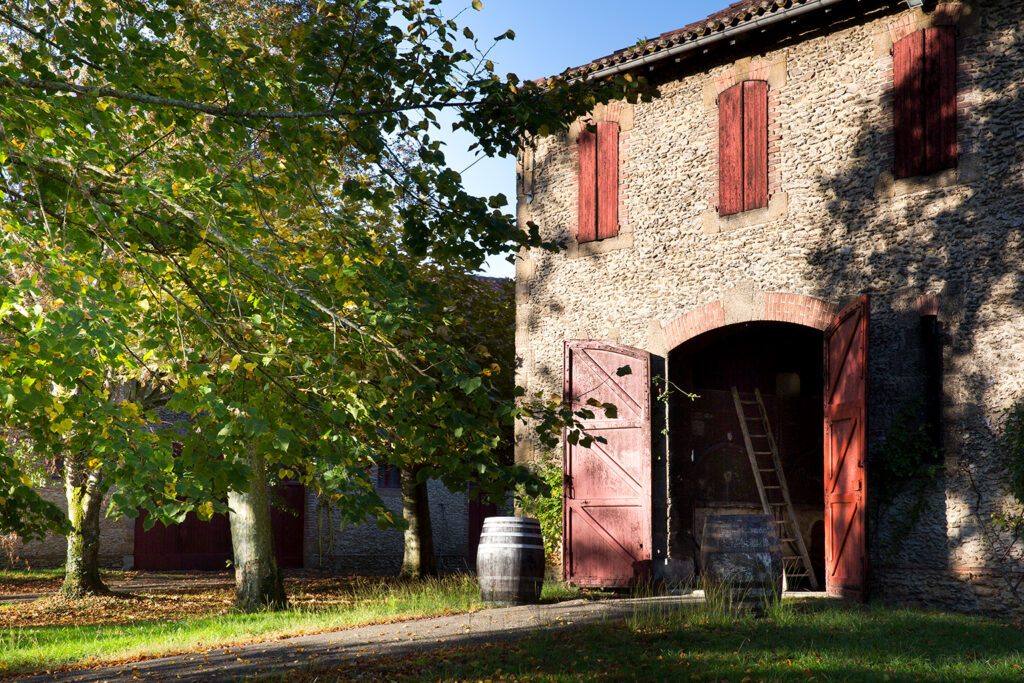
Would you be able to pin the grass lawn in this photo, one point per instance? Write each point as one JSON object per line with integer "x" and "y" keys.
{"x": 799, "y": 641}
{"x": 53, "y": 632}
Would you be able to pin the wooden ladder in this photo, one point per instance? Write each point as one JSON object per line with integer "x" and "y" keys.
{"x": 775, "y": 500}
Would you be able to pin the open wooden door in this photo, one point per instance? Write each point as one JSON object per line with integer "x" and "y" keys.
{"x": 846, "y": 383}
{"x": 607, "y": 496}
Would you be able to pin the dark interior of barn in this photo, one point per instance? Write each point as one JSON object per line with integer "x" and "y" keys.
{"x": 710, "y": 472}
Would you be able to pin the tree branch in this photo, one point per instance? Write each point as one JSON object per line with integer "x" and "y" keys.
{"x": 214, "y": 110}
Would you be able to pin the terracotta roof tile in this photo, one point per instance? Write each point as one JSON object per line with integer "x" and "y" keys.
{"x": 733, "y": 15}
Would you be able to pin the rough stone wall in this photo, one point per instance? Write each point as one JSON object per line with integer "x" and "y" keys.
{"x": 362, "y": 548}
{"x": 838, "y": 226}
{"x": 117, "y": 541}
{"x": 367, "y": 548}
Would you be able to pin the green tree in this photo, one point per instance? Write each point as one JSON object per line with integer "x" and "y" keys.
{"x": 210, "y": 203}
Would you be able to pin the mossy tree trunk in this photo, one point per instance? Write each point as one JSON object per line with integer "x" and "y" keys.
{"x": 418, "y": 560}
{"x": 258, "y": 583}
{"x": 84, "y": 489}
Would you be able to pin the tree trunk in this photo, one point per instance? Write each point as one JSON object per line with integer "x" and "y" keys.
{"x": 419, "y": 536}
{"x": 258, "y": 583}
{"x": 84, "y": 490}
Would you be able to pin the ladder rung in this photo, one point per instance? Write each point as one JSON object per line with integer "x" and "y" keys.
{"x": 797, "y": 566}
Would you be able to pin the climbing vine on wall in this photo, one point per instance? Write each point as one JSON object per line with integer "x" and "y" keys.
{"x": 909, "y": 464}
{"x": 1011, "y": 443}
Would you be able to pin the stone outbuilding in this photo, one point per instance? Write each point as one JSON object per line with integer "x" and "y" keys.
{"x": 819, "y": 221}
{"x": 308, "y": 533}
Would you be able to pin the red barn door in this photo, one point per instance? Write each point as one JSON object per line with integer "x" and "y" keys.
{"x": 192, "y": 544}
{"x": 195, "y": 544}
{"x": 607, "y": 497}
{"x": 287, "y": 521}
{"x": 846, "y": 380}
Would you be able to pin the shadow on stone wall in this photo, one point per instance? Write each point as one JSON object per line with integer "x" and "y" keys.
{"x": 962, "y": 242}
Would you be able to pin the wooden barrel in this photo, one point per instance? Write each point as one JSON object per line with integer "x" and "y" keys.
{"x": 510, "y": 560}
{"x": 741, "y": 559}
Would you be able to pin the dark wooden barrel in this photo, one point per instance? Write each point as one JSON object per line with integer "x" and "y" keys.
{"x": 510, "y": 560}
{"x": 741, "y": 559}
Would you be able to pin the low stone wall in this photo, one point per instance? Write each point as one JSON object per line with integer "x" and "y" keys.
{"x": 367, "y": 548}
{"x": 117, "y": 543}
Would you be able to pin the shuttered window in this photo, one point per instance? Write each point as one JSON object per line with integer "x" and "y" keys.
{"x": 743, "y": 148}
{"x": 599, "y": 182}
{"x": 389, "y": 477}
{"x": 924, "y": 126}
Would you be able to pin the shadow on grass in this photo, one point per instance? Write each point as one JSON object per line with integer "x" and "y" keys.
{"x": 812, "y": 640}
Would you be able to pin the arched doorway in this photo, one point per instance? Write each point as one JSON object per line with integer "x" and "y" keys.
{"x": 810, "y": 365}
{"x": 810, "y": 361}
{"x": 710, "y": 472}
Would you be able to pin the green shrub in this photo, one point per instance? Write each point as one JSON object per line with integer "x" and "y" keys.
{"x": 547, "y": 508}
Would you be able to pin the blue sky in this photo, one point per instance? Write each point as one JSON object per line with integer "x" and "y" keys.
{"x": 550, "y": 36}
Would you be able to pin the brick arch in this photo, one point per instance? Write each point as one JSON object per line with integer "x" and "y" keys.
{"x": 769, "y": 306}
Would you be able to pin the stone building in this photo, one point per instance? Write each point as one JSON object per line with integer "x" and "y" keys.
{"x": 310, "y": 535}
{"x": 824, "y": 189}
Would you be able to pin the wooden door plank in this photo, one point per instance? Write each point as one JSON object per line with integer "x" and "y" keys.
{"x": 908, "y": 122}
{"x": 614, "y": 550}
{"x": 607, "y": 179}
{"x": 587, "y": 229}
{"x": 846, "y": 346}
{"x": 730, "y": 151}
{"x": 755, "y": 145}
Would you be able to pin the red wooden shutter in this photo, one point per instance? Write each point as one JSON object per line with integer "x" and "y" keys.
{"x": 607, "y": 179}
{"x": 940, "y": 97}
{"x": 908, "y": 123}
{"x": 755, "y": 145}
{"x": 607, "y": 496}
{"x": 730, "y": 151}
{"x": 846, "y": 378}
{"x": 588, "y": 187}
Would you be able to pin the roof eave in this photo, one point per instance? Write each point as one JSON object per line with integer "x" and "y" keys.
{"x": 780, "y": 15}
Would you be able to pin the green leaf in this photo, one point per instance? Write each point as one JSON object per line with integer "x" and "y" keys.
{"x": 470, "y": 385}
{"x": 624, "y": 370}
{"x": 284, "y": 439}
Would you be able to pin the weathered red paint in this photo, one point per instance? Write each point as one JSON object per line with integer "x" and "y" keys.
{"x": 195, "y": 544}
{"x": 846, "y": 380}
{"x": 908, "y": 122}
{"x": 192, "y": 544}
{"x": 730, "y": 151}
{"x": 924, "y": 68}
{"x": 607, "y": 179}
{"x": 287, "y": 521}
{"x": 607, "y": 493}
{"x": 940, "y": 95}
{"x": 587, "y": 187}
{"x": 755, "y": 145}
